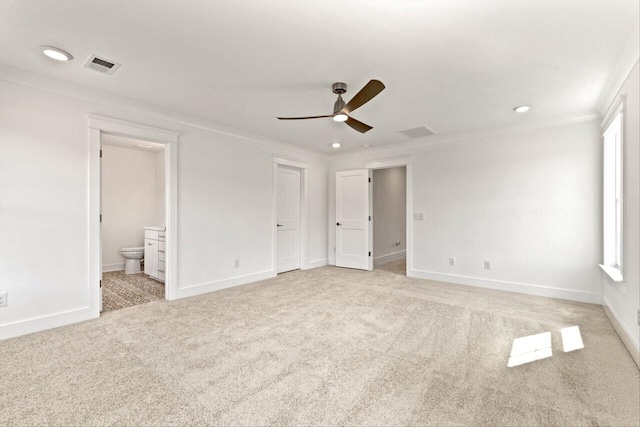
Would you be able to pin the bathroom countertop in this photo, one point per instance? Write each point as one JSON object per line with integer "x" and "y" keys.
{"x": 155, "y": 228}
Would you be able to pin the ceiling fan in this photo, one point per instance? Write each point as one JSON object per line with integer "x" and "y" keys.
{"x": 341, "y": 110}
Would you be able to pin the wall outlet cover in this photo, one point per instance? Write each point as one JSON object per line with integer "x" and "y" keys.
{"x": 3, "y": 299}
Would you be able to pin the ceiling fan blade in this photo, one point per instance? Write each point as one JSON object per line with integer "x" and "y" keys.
{"x": 303, "y": 118}
{"x": 366, "y": 94}
{"x": 358, "y": 125}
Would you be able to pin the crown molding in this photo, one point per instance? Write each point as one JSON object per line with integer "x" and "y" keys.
{"x": 24, "y": 78}
{"x": 621, "y": 71}
{"x": 473, "y": 134}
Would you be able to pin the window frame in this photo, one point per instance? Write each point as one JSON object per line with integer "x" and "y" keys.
{"x": 613, "y": 192}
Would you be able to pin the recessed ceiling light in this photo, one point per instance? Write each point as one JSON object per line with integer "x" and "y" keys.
{"x": 340, "y": 117}
{"x": 57, "y": 54}
{"x": 365, "y": 145}
{"x": 521, "y": 108}
{"x": 336, "y": 145}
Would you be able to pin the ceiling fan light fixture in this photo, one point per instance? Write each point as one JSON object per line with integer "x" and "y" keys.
{"x": 340, "y": 117}
{"x": 521, "y": 108}
{"x": 56, "y": 53}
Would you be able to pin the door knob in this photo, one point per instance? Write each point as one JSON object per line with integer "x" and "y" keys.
{"x": 279, "y": 225}
{"x": 338, "y": 224}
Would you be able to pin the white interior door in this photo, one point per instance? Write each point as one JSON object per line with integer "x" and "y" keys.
{"x": 352, "y": 220}
{"x": 288, "y": 219}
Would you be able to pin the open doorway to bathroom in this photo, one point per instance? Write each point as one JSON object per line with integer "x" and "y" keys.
{"x": 133, "y": 222}
{"x": 389, "y": 194}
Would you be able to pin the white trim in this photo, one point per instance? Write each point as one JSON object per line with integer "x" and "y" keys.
{"x": 614, "y": 273}
{"x": 102, "y": 98}
{"x": 523, "y": 288}
{"x": 617, "y": 106}
{"x": 389, "y": 163}
{"x": 383, "y": 259}
{"x": 628, "y": 339}
{"x": 304, "y": 210}
{"x": 617, "y": 110}
{"x": 315, "y": 264}
{"x": 394, "y": 162}
{"x": 203, "y": 288}
{"x": 97, "y": 126}
{"x": 123, "y": 128}
{"x": 292, "y": 163}
{"x": 113, "y": 267}
{"x": 473, "y": 134}
{"x": 41, "y": 323}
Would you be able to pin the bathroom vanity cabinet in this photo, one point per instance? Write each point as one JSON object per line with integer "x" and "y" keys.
{"x": 154, "y": 260}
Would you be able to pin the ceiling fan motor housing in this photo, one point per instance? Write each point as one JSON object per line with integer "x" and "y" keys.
{"x": 339, "y": 88}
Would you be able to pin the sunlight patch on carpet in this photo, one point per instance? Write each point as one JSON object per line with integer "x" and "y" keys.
{"x": 529, "y": 349}
{"x": 571, "y": 339}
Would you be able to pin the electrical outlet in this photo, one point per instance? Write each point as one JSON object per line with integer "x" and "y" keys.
{"x": 237, "y": 264}
{"x": 418, "y": 216}
{"x": 452, "y": 261}
{"x": 3, "y": 299}
{"x": 487, "y": 265}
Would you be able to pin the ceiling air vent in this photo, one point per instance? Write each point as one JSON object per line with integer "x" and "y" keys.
{"x": 101, "y": 65}
{"x": 418, "y": 132}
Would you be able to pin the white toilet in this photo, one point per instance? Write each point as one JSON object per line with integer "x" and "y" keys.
{"x": 133, "y": 257}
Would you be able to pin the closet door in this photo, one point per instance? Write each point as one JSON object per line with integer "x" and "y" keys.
{"x": 288, "y": 219}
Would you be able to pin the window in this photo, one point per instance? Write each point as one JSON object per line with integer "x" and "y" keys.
{"x": 613, "y": 195}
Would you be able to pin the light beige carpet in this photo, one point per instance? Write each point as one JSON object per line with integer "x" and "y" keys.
{"x": 323, "y": 347}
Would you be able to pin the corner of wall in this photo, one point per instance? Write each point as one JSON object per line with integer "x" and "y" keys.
{"x": 627, "y": 337}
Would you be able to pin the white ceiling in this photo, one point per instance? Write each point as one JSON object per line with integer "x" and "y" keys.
{"x": 452, "y": 65}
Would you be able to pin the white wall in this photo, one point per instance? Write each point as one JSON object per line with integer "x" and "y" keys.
{"x": 389, "y": 213}
{"x": 623, "y": 299}
{"x": 527, "y": 201}
{"x": 132, "y": 191}
{"x": 224, "y": 201}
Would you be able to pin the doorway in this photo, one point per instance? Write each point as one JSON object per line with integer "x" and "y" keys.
{"x": 288, "y": 219}
{"x": 133, "y": 222}
{"x": 389, "y": 196}
{"x": 354, "y": 238}
{"x": 290, "y": 199}
{"x": 99, "y": 127}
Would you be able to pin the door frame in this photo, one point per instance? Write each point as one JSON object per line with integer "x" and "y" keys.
{"x": 304, "y": 196}
{"x": 97, "y": 126}
{"x": 394, "y": 163}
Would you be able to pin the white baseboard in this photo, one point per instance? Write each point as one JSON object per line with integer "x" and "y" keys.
{"x": 627, "y": 337}
{"x": 315, "y": 264}
{"x": 523, "y": 288}
{"x": 113, "y": 267}
{"x": 50, "y": 321}
{"x": 203, "y": 288}
{"x": 389, "y": 257}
